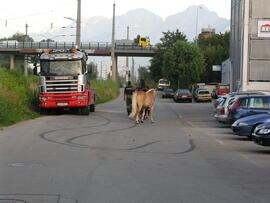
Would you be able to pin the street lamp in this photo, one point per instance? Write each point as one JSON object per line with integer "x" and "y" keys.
{"x": 78, "y": 24}
{"x": 199, "y": 7}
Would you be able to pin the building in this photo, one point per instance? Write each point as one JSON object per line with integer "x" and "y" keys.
{"x": 250, "y": 44}
{"x": 226, "y": 73}
{"x": 207, "y": 32}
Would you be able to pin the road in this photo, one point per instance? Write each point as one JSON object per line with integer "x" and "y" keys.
{"x": 185, "y": 156}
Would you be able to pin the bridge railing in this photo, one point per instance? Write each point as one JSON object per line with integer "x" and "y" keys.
{"x": 68, "y": 45}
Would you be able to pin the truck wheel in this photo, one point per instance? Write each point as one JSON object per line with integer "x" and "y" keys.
{"x": 92, "y": 108}
{"x": 85, "y": 110}
{"x": 43, "y": 111}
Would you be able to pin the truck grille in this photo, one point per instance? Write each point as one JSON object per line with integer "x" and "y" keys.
{"x": 68, "y": 84}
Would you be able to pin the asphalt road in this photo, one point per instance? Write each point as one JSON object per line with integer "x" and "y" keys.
{"x": 185, "y": 156}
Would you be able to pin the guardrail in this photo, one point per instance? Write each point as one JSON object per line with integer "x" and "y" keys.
{"x": 69, "y": 45}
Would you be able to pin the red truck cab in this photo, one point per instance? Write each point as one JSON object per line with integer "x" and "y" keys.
{"x": 64, "y": 81}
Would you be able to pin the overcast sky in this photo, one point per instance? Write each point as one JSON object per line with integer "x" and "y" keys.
{"x": 40, "y": 14}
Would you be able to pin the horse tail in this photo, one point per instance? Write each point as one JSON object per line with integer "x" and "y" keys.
{"x": 134, "y": 105}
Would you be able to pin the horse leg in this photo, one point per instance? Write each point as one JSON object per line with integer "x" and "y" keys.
{"x": 138, "y": 113}
{"x": 151, "y": 114}
{"x": 143, "y": 115}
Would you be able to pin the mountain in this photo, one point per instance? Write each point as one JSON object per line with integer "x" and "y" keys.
{"x": 196, "y": 15}
{"x": 144, "y": 22}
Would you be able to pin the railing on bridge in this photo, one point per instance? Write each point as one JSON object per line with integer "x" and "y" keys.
{"x": 69, "y": 45}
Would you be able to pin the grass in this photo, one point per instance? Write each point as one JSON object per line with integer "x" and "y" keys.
{"x": 106, "y": 90}
{"x": 18, "y": 97}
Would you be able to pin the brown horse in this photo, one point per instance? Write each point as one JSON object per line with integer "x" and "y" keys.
{"x": 140, "y": 102}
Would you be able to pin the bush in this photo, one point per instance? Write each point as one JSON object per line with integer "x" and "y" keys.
{"x": 106, "y": 90}
{"x": 18, "y": 97}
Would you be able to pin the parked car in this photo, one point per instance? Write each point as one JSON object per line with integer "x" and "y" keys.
{"x": 182, "y": 95}
{"x": 218, "y": 101}
{"x": 245, "y": 126}
{"x": 202, "y": 95}
{"x": 222, "y": 109}
{"x": 167, "y": 93}
{"x": 247, "y": 106}
{"x": 261, "y": 134}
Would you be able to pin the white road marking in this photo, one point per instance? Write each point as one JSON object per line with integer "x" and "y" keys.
{"x": 220, "y": 142}
{"x": 251, "y": 160}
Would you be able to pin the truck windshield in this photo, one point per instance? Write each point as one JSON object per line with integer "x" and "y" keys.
{"x": 61, "y": 67}
{"x": 163, "y": 82}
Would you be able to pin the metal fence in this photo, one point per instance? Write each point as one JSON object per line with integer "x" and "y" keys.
{"x": 69, "y": 45}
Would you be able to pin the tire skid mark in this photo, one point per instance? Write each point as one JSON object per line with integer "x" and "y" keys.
{"x": 14, "y": 200}
{"x": 71, "y": 141}
{"x": 44, "y": 134}
{"x": 192, "y": 145}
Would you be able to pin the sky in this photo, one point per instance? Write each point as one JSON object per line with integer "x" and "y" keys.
{"x": 43, "y": 15}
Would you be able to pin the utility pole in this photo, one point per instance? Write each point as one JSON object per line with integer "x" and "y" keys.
{"x": 199, "y": 7}
{"x": 114, "y": 66}
{"x": 25, "y": 56}
{"x": 101, "y": 70}
{"x": 78, "y": 25}
{"x": 127, "y": 56}
{"x": 26, "y": 32}
{"x": 132, "y": 71}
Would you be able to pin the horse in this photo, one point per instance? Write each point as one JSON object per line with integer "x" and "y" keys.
{"x": 142, "y": 102}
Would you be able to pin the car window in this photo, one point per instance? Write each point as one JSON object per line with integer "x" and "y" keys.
{"x": 243, "y": 103}
{"x": 204, "y": 92}
{"x": 231, "y": 101}
{"x": 258, "y": 103}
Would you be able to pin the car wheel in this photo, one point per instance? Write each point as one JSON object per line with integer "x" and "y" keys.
{"x": 252, "y": 131}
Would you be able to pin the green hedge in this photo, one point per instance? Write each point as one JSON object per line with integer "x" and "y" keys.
{"x": 18, "y": 97}
{"x": 106, "y": 90}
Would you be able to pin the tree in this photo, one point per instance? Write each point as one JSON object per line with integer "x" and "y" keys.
{"x": 20, "y": 37}
{"x": 167, "y": 41}
{"x": 183, "y": 64}
{"x": 143, "y": 73}
{"x": 215, "y": 50}
{"x": 170, "y": 38}
{"x": 47, "y": 40}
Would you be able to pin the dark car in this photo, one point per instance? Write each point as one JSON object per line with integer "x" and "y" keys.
{"x": 182, "y": 95}
{"x": 167, "y": 93}
{"x": 245, "y": 126}
{"x": 247, "y": 106}
{"x": 261, "y": 134}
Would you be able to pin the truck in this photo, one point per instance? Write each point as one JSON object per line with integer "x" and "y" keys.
{"x": 63, "y": 81}
{"x": 220, "y": 90}
{"x": 139, "y": 41}
{"x": 163, "y": 83}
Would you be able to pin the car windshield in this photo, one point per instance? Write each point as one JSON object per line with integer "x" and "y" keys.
{"x": 61, "y": 67}
{"x": 183, "y": 92}
{"x": 168, "y": 90}
{"x": 163, "y": 82}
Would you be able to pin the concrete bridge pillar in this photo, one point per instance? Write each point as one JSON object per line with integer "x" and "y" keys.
{"x": 12, "y": 61}
{"x": 114, "y": 68}
{"x": 25, "y": 65}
